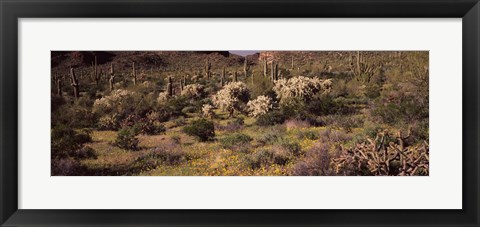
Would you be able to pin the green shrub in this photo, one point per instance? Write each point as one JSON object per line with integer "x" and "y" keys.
{"x": 126, "y": 139}
{"x": 65, "y": 140}
{"x": 311, "y": 135}
{"x": 292, "y": 147}
{"x": 271, "y": 118}
{"x": 267, "y": 157}
{"x": 203, "y": 129}
{"x": 235, "y": 140}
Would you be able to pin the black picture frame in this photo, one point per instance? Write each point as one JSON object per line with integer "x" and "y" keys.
{"x": 11, "y": 11}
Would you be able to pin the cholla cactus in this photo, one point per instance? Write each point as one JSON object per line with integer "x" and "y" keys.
{"x": 299, "y": 87}
{"x": 230, "y": 97}
{"x": 259, "y": 106}
{"x": 115, "y": 100}
{"x": 163, "y": 97}
{"x": 207, "y": 111}
{"x": 193, "y": 91}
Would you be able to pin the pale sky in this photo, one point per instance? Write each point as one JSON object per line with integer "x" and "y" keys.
{"x": 243, "y": 52}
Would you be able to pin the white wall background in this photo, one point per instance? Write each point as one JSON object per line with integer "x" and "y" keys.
{"x": 440, "y": 190}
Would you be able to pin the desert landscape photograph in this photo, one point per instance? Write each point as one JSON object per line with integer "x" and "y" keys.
{"x": 239, "y": 113}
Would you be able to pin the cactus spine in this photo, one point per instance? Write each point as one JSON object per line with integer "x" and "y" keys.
{"x": 75, "y": 85}
{"x": 134, "y": 74}
{"x": 112, "y": 77}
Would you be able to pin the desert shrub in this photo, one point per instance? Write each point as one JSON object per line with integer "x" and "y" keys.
{"x": 151, "y": 124}
{"x": 315, "y": 163}
{"x": 67, "y": 167}
{"x": 180, "y": 121}
{"x": 231, "y": 97}
{"x": 171, "y": 108}
{"x": 335, "y": 136}
{"x": 203, "y": 129}
{"x": 296, "y": 123}
{"x": 232, "y": 126}
{"x": 235, "y": 140}
{"x": 259, "y": 106}
{"x": 348, "y": 123}
{"x": 56, "y": 102}
{"x": 169, "y": 153}
{"x": 326, "y": 105}
{"x": 271, "y": 118}
{"x": 85, "y": 152}
{"x": 309, "y": 134}
{"x": 75, "y": 116}
{"x": 267, "y": 157}
{"x": 65, "y": 140}
{"x": 292, "y": 147}
{"x": 189, "y": 109}
{"x": 150, "y": 128}
{"x": 126, "y": 139}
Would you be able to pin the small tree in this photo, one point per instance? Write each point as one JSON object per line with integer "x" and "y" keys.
{"x": 231, "y": 97}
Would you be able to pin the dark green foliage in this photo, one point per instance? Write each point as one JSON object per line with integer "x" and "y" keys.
{"x": 203, "y": 129}
{"x": 126, "y": 139}
{"x": 271, "y": 118}
{"x": 236, "y": 139}
{"x": 65, "y": 141}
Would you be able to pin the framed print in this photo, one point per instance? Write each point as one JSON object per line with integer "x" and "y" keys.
{"x": 239, "y": 113}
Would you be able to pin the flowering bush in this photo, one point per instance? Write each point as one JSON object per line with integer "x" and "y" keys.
{"x": 259, "y": 106}
{"x": 193, "y": 91}
{"x": 300, "y": 87}
{"x": 231, "y": 97}
{"x": 207, "y": 111}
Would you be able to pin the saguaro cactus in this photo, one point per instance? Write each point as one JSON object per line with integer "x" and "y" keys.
{"x": 274, "y": 71}
{"x": 265, "y": 68}
{"x": 235, "y": 76}
{"x": 95, "y": 75}
{"x": 112, "y": 77}
{"x": 170, "y": 86}
{"x": 222, "y": 79}
{"x": 74, "y": 83}
{"x": 245, "y": 67}
{"x": 208, "y": 68}
{"x": 58, "y": 83}
{"x": 293, "y": 64}
{"x": 134, "y": 74}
